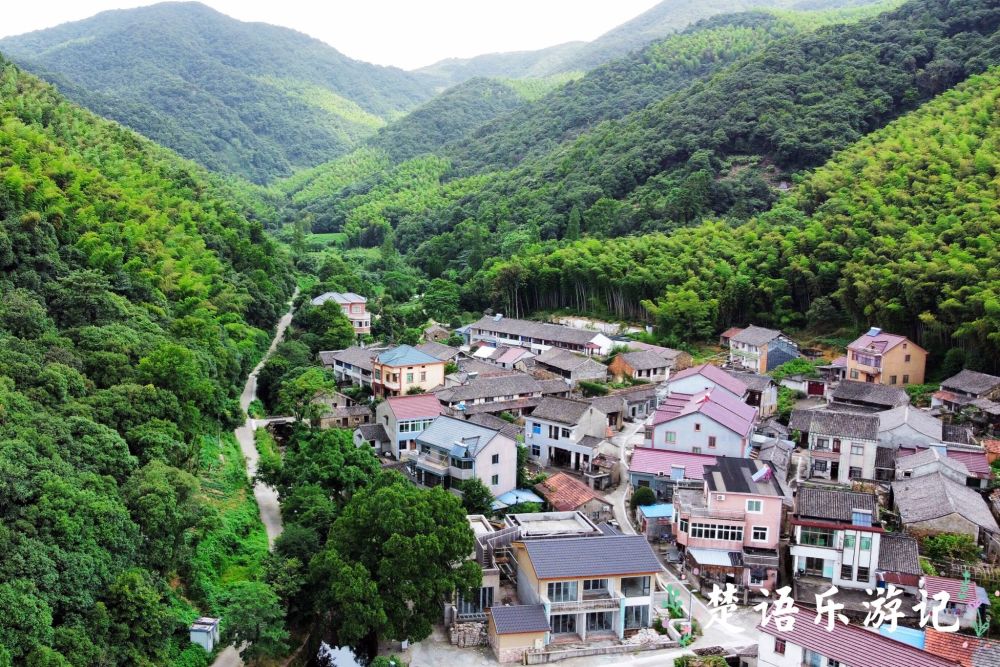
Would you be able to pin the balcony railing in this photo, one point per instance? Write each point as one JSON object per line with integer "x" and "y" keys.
{"x": 440, "y": 463}
{"x": 708, "y": 512}
{"x": 606, "y": 602}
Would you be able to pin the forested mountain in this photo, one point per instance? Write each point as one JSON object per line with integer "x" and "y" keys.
{"x": 134, "y": 298}
{"x": 656, "y": 23}
{"x": 244, "y": 98}
{"x": 901, "y": 229}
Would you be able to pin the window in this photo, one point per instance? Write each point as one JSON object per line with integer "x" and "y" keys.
{"x": 755, "y": 506}
{"x": 635, "y": 587}
{"x": 671, "y": 436}
{"x": 759, "y": 534}
{"x": 906, "y": 379}
{"x": 832, "y": 663}
{"x": 563, "y": 623}
{"x": 712, "y": 531}
{"x": 536, "y": 451}
{"x": 461, "y": 464}
{"x": 496, "y": 459}
{"x": 819, "y": 466}
{"x": 562, "y": 591}
{"x": 696, "y": 450}
{"x": 816, "y": 537}
{"x": 553, "y": 432}
{"x": 866, "y": 544}
{"x": 892, "y": 379}
{"x": 779, "y": 646}
{"x": 848, "y": 541}
{"x": 697, "y": 426}
{"x": 757, "y": 577}
{"x": 847, "y": 571}
{"x": 711, "y": 441}
{"x": 423, "y": 376}
{"x": 836, "y": 444}
{"x": 684, "y": 525}
{"x": 636, "y": 617}
{"x": 495, "y": 480}
{"x": 854, "y": 374}
{"x": 857, "y": 449}
{"x": 814, "y": 565}
{"x": 599, "y": 621}
{"x": 565, "y": 433}
{"x": 822, "y": 443}
{"x": 409, "y": 378}
{"x": 862, "y": 573}
{"x": 536, "y": 428}
{"x": 378, "y": 374}
{"x": 477, "y": 604}
{"x": 595, "y": 586}
{"x": 854, "y": 473}
{"x": 906, "y": 359}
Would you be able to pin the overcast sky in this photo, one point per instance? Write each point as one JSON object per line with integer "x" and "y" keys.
{"x": 405, "y": 33}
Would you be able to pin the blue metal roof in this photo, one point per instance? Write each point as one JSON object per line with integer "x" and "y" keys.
{"x": 911, "y": 636}
{"x": 515, "y": 497}
{"x": 658, "y": 511}
{"x": 406, "y": 355}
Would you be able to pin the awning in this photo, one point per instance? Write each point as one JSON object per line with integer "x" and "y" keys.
{"x": 719, "y": 557}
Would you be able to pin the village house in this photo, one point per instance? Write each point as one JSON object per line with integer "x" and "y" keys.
{"x": 405, "y": 369}
{"x": 971, "y": 393}
{"x": 907, "y": 425}
{"x": 440, "y": 351}
{"x": 469, "y": 369}
{"x": 964, "y": 599}
{"x": 899, "y": 562}
{"x": 962, "y": 649}
{"x": 929, "y": 461}
{"x": 665, "y": 472}
{"x": 699, "y": 378}
{"x": 354, "y": 306}
{"x": 506, "y": 357}
{"x": 842, "y": 445}
{"x": 641, "y": 365}
{"x": 374, "y": 436}
{"x": 404, "y": 418}
{"x": 773, "y": 450}
{"x": 454, "y": 450}
{"x": 814, "y": 645}
{"x": 592, "y": 588}
{"x": 761, "y": 392}
{"x": 564, "y": 493}
{"x": 640, "y": 401}
{"x": 612, "y": 405}
{"x": 436, "y": 333}
{"x": 730, "y": 530}
{"x": 761, "y": 350}
{"x": 513, "y": 629}
{"x": 836, "y": 539}
{"x": 573, "y": 367}
{"x": 708, "y": 422}
{"x": 677, "y": 360}
{"x": 346, "y": 416}
{"x": 933, "y": 504}
{"x": 513, "y": 393}
{"x": 563, "y": 432}
{"x": 868, "y": 395}
{"x": 969, "y": 458}
{"x": 885, "y": 358}
{"x": 538, "y": 336}
{"x": 350, "y": 366}
{"x": 808, "y": 384}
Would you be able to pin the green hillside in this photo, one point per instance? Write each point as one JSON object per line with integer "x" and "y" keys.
{"x": 134, "y": 298}
{"x": 900, "y": 229}
{"x": 243, "y": 98}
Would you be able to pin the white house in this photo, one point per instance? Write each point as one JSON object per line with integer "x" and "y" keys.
{"x": 708, "y": 422}
{"x": 564, "y": 432}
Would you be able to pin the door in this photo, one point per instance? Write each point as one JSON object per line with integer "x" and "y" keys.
{"x": 835, "y": 470}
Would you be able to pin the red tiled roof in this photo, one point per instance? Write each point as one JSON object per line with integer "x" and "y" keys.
{"x": 414, "y": 406}
{"x": 974, "y": 462}
{"x": 730, "y": 332}
{"x": 852, "y": 644}
{"x": 992, "y": 446}
{"x": 654, "y": 461}
{"x": 715, "y": 375}
{"x": 966, "y": 650}
{"x": 953, "y": 587}
{"x": 565, "y": 493}
{"x": 881, "y": 343}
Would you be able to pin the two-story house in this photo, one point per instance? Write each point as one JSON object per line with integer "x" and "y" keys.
{"x": 537, "y": 336}
{"x": 563, "y": 432}
{"x": 869, "y": 395}
{"x": 454, "y": 450}
{"x": 404, "y": 419}
{"x": 708, "y": 422}
{"x": 695, "y": 379}
{"x": 350, "y": 366}
{"x": 972, "y": 393}
{"x": 405, "y": 369}
{"x": 571, "y": 366}
{"x": 761, "y": 392}
{"x": 837, "y": 537}
{"x": 730, "y": 529}
{"x": 885, "y": 358}
{"x": 591, "y": 588}
{"x": 355, "y": 307}
{"x": 761, "y": 350}
{"x": 842, "y": 445}
{"x": 640, "y": 365}
{"x": 513, "y": 393}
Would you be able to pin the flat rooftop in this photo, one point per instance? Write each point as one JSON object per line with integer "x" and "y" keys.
{"x": 480, "y": 525}
{"x": 542, "y": 524}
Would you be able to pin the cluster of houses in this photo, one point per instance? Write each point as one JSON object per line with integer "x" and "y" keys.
{"x": 838, "y": 496}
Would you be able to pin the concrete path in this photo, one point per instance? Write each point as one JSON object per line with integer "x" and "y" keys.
{"x": 267, "y": 497}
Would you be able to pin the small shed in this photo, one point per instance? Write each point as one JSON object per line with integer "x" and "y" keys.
{"x": 655, "y": 520}
{"x": 205, "y": 633}
{"x": 513, "y": 629}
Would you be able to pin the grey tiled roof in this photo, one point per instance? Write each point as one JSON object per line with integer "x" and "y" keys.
{"x": 800, "y": 420}
{"x": 644, "y": 360}
{"x": 438, "y": 350}
{"x": 907, "y": 415}
{"x": 885, "y": 457}
{"x": 539, "y": 330}
{"x": 373, "y": 432}
{"x": 756, "y": 336}
{"x": 567, "y": 361}
{"x": 899, "y": 553}
{"x": 446, "y": 432}
{"x": 561, "y": 410}
{"x": 354, "y": 355}
{"x": 608, "y": 404}
{"x": 870, "y": 392}
{"x": 753, "y": 381}
{"x": 927, "y": 456}
{"x": 844, "y": 424}
{"x": 972, "y": 382}
{"x": 834, "y": 505}
{"x": 934, "y": 496}
{"x": 514, "y": 619}
{"x": 490, "y": 387}
{"x": 956, "y": 433}
{"x": 497, "y": 424}
{"x": 553, "y": 386}
{"x": 609, "y": 555}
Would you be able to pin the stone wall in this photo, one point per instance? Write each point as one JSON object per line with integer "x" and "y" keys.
{"x": 464, "y": 635}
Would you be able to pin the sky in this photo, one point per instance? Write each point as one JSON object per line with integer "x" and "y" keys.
{"x": 403, "y": 33}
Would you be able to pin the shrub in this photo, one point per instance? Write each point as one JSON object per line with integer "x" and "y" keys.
{"x": 642, "y": 496}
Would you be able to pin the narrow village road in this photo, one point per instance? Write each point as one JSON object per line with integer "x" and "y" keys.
{"x": 267, "y": 497}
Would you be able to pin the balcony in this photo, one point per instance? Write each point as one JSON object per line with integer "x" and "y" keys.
{"x": 605, "y": 601}
{"x": 709, "y": 513}
{"x": 439, "y": 464}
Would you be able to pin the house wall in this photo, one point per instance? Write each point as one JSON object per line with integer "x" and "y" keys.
{"x": 794, "y": 655}
{"x": 846, "y": 460}
{"x": 505, "y": 470}
{"x": 434, "y": 377}
{"x": 747, "y": 356}
{"x": 596, "y": 510}
{"x": 592, "y": 423}
{"x": 904, "y": 434}
{"x": 768, "y": 401}
{"x": 511, "y": 648}
{"x": 839, "y": 554}
{"x": 951, "y": 523}
{"x": 931, "y": 468}
{"x": 894, "y": 363}
{"x": 693, "y": 384}
{"x": 769, "y": 516}
{"x": 692, "y": 434}
{"x": 778, "y": 352}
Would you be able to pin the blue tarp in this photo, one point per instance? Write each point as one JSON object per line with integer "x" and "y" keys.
{"x": 658, "y": 511}
{"x": 909, "y": 636}
{"x": 516, "y": 496}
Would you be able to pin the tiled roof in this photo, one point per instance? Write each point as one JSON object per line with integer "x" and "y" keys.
{"x": 972, "y": 457}
{"x": 898, "y": 553}
{"x": 644, "y": 360}
{"x": 539, "y": 330}
{"x": 966, "y": 650}
{"x": 934, "y": 496}
{"x": 956, "y": 433}
{"x": 870, "y": 392}
{"x": 447, "y": 432}
{"x": 343, "y": 298}
{"x": 715, "y": 375}
{"x": 406, "y": 355}
{"x": 439, "y": 351}
{"x": 414, "y": 406}
{"x": 756, "y": 336}
{"x": 731, "y": 475}
{"x": 513, "y": 384}
{"x": 992, "y": 446}
{"x": 553, "y": 386}
{"x": 496, "y": 407}
{"x": 730, "y": 332}
{"x": 354, "y": 355}
{"x": 719, "y": 406}
{"x": 833, "y": 505}
{"x": 667, "y": 353}
{"x": 953, "y": 587}
{"x": 844, "y": 424}
{"x": 516, "y": 619}
{"x": 656, "y": 461}
{"x": 565, "y": 360}
{"x": 927, "y": 456}
{"x": 608, "y": 555}
{"x": 373, "y": 432}
{"x": 561, "y": 410}
{"x": 497, "y": 424}
{"x": 801, "y": 420}
{"x": 852, "y": 644}
{"x": 972, "y": 382}
{"x": 881, "y": 342}
{"x": 565, "y": 493}
{"x": 917, "y": 419}
{"x": 753, "y": 381}
{"x": 885, "y": 457}
{"x": 608, "y": 404}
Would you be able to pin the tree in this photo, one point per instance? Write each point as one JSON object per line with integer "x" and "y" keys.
{"x": 27, "y": 619}
{"x": 642, "y": 496}
{"x": 329, "y": 327}
{"x": 162, "y": 501}
{"x": 476, "y": 497}
{"x": 441, "y": 300}
{"x": 348, "y": 599}
{"x": 946, "y": 546}
{"x": 254, "y": 619}
{"x": 296, "y": 395}
{"x": 522, "y": 466}
{"x": 139, "y": 623}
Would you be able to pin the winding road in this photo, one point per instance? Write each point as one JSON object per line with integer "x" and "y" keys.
{"x": 267, "y": 497}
